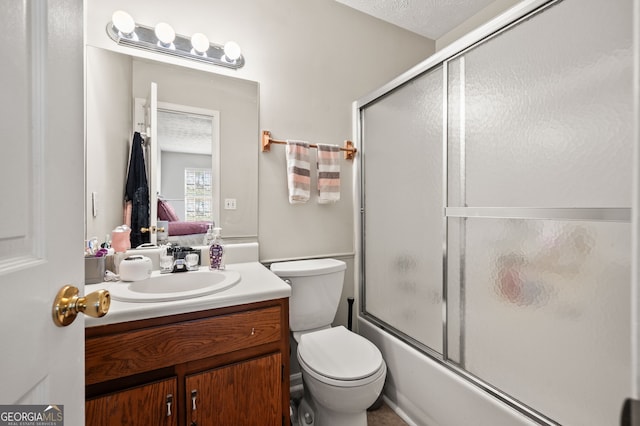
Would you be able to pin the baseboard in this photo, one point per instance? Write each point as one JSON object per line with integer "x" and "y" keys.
{"x": 398, "y": 411}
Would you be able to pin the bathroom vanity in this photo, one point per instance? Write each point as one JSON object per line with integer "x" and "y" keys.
{"x": 216, "y": 359}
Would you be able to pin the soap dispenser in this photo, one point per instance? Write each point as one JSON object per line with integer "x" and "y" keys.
{"x": 208, "y": 237}
{"x": 216, "y": 251}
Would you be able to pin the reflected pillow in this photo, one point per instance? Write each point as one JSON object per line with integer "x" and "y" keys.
{"x": 166, "y": 212}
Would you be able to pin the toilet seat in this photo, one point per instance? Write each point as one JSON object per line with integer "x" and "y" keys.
{"x": 340, "y": 357}
{"x": 382, "y": 372}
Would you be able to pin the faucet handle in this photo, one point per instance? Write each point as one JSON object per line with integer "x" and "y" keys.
{"x": 179, "y": 265}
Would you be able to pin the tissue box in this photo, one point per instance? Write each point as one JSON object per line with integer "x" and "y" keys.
{"x": 94, "y": 270}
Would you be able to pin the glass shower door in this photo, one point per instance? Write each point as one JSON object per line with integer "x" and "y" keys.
{"x": 540, "y": 139}
{"x": 496, "y": 211}
{"x": 403, "y": 173}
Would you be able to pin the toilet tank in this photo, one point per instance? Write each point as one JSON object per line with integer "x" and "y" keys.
{"x": 316, "y": 287}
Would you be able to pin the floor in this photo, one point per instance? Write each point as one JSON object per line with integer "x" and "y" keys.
{"x": 382, "y": 416}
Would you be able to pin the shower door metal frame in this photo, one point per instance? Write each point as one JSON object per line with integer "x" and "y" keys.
{"x": 513, "y": 17}
{"x": 635, "y": 220}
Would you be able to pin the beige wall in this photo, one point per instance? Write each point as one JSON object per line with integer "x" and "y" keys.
{"x": 312, "y": 59}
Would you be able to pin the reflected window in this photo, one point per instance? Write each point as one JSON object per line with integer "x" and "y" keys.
{"x": 198, "y": 195}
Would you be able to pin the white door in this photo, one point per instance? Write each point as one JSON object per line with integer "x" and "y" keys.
{"x": 145, "y": 115}
{"x": 154, "y": 159}
{"x": 41, "y": 188}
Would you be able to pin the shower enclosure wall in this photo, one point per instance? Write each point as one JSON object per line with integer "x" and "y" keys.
{"x": 496, "y": 182}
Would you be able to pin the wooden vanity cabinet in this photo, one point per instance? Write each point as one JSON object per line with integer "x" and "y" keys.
{"x": 147, "y": 405}
{"x": 226, "y": 366}
{"x": 220, "y": 396}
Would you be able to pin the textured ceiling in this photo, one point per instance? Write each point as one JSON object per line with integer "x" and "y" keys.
{"x": 183, "y": 132}
{"x": 429, "y": 18}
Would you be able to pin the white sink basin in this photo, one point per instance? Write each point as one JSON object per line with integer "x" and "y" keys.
{"x": 177, "y": 286}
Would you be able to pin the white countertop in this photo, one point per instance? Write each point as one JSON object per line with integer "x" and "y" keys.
{"x": 257, "y": 284}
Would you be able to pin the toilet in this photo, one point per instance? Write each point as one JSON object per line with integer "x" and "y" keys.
{"x": 342, "y": 372}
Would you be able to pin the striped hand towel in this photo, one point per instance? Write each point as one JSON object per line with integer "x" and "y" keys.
{"x": 298, "y": 175}
{"x": 328, "y": 173}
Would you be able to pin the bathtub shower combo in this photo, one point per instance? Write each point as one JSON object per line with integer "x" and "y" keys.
{"x": 495, "y": 221}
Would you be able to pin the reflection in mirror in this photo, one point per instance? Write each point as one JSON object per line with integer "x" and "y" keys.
{"x": 114, "y": 83}
{"x": 188, "y": 172}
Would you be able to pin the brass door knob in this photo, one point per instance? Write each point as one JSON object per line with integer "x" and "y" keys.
{"x": 68, "y": 304}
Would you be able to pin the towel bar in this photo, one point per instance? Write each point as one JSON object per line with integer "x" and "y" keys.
{"x": 266, "y": 141}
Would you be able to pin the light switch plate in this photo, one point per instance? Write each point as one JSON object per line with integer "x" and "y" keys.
{"x": 229, "y": 203}
{"x": 94, "y": 203}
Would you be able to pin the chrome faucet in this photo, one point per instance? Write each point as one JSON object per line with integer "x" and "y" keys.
{"x": 188, "y": 263}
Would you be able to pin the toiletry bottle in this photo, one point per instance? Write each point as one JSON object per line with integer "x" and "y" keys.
{"x": 120, "y": 239}
{"x": 208, "y": 237}
{"x": 216, "y": 251}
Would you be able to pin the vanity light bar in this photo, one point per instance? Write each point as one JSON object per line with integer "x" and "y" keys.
{"x": 143, "y": 37}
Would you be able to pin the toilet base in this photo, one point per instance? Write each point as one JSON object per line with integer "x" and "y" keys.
{"x": 309, "y": 415}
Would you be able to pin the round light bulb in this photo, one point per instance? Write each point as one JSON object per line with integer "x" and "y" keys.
{"x": 200, "y": 43}
{"x": 165, "y": 33}
{"x": 123, "y": 22}
{"x": 232, "y": 50}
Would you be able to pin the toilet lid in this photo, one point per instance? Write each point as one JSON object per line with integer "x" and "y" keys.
{"x": 338, "y": 353}
{"x": 305, "y": 268}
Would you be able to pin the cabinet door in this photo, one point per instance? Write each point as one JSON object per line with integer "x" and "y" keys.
{"x": 242, "y": 394}
{"x": 152, "y": 405}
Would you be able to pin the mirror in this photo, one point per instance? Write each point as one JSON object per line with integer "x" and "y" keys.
{"x": 115, "y": 85}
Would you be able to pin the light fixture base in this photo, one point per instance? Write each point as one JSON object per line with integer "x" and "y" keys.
{"x": 147, "y": 40}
